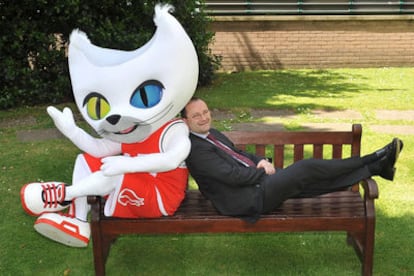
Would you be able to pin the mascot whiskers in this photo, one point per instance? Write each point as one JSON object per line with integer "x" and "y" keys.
{"x": 130, "y": 98}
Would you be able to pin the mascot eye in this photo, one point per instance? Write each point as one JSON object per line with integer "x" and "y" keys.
{"x": 147, "y": 94}
{"x": 96, "y": 106}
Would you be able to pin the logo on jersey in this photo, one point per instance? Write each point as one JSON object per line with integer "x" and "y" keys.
{"x": 128, "y": 196}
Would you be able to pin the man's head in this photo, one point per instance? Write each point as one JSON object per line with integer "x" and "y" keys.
{"x": 197, "y": 116}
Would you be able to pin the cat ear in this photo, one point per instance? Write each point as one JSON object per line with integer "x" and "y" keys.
{"x": 79, "y": 64}
{"x": 174, "y": 48}
{"x": 77, "y": 37}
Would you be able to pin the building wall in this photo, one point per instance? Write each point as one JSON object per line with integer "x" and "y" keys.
{"x": 276, "y": 42}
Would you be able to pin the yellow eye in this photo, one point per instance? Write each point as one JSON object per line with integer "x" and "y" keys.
{"x": 96, "y": 106}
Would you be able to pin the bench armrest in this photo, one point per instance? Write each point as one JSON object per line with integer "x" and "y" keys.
{"x": 93, "y": 199}
{"x": 97, "y": 206}
{"x": 370, "y": 187}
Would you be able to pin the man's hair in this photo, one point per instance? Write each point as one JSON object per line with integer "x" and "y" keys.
{"x": 183, "y": 112}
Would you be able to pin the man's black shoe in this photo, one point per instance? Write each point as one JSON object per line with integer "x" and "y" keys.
{"x": 388, "y": 161}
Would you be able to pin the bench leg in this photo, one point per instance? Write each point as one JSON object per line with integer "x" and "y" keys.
{"x": 101, "y": 241}
{"x": 368, "y": 261}
{"x": 363, "y": 244}
{"x": 364, "y": 250}
{"x": 101, "y": 245}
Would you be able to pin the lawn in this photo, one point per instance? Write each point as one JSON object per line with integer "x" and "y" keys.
{"x": 24, "y": 252}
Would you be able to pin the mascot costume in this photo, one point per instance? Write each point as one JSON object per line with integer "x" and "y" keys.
{"x": 130, "y": 98}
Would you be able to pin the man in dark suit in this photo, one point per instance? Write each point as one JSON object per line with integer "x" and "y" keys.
{"x": 248, "y": 187}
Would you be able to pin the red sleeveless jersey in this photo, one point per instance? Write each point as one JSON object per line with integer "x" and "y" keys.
{"x": 145, "y": 194}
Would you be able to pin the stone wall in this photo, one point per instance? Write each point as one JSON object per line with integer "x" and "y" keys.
{"x": 276, "y": 42}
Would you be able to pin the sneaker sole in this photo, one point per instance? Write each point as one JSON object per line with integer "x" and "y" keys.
{"x": 59, "y": 233}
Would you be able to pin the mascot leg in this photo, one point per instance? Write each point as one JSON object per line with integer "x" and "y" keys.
{"x": 72, "y": 229}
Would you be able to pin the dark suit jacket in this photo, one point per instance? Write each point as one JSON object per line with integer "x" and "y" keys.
{"x": 234, "y": 189}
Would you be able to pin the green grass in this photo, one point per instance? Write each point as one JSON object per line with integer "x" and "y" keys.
{"x": 302, "y": 90}
{"x": 24, "y": 252}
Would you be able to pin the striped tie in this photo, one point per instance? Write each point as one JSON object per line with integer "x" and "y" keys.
{"x": 237, "y": 156}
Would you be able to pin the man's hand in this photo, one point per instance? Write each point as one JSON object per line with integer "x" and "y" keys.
{"x": 267, "y": 166}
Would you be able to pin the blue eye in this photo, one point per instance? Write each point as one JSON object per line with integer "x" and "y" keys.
{"x": 147, "y": 95}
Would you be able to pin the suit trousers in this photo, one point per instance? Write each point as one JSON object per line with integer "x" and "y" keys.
{"x": 311, "y": 177}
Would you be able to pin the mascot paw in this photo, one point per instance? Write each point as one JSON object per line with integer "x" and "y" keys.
{"x": 63, "y": 120}
{"x": 39, "y": 198}
{"x": 63, "y": 229}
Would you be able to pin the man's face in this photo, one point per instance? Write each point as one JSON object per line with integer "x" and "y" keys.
{"x": 198, "y": 117}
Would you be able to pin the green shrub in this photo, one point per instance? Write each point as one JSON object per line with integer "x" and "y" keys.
{"x": 33, "y": 63}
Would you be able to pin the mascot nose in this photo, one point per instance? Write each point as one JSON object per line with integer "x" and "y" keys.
{"x": 113, "y": 119}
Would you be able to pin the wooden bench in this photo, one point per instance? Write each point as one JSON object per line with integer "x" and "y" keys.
{"x": 350, "y": 211}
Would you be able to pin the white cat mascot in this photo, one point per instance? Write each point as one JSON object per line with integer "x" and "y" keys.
{"x": 130, "y": 98}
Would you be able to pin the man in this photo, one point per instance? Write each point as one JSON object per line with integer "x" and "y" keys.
{"x": 249, "y": 187}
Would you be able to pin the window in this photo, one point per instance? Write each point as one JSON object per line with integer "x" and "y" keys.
{"x": 308, "y": 7}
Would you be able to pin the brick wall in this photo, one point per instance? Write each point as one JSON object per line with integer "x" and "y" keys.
{"x": 275, "y": 42}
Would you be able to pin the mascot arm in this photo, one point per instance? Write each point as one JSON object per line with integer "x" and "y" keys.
{"x": 175, "y": 149}
{"x": 65, "y": 122}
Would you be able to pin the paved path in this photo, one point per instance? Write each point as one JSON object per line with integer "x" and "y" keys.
{"x": 273, "y": 118}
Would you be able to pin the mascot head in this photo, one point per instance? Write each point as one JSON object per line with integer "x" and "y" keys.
{"x": 127, "y": 95}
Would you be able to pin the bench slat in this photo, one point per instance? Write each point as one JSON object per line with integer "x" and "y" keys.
{"x": 334, "y": 206}
{"x": 230, "y": 225}
{"x": 298, "y": 152}
{"x": 287, "y": 138}
{"x": 279, "y": 151}
{"x": 318, "y": 151}
{"x": 336, "y": 151}
{"x": 261, "y": 150}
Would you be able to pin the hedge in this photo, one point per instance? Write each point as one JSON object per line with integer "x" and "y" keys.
{"x": 35, "y": 32}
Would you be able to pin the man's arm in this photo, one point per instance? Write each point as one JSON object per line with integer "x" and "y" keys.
{"x": 207, "y": 161}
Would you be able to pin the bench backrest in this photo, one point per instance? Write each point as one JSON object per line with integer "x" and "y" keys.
{"x": 277, "y": 143}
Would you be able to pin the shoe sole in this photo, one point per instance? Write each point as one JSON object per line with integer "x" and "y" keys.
{"x": 58, "y": 232}
{"x": 398, "y": 148}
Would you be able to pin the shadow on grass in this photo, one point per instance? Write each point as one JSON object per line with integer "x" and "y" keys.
{"x": 299, "y": 89}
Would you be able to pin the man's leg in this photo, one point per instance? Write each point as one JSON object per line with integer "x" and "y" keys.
{"x": 312, "y": 177}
